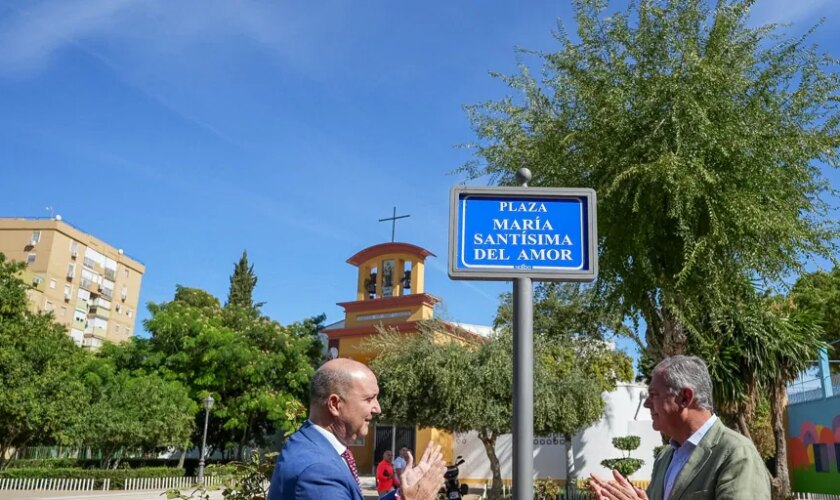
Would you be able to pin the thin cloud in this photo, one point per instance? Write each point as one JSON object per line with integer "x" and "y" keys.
{"x": 787, "y": 11}
{"x": 440, "y": 267}
{"x": 32, "y": 33}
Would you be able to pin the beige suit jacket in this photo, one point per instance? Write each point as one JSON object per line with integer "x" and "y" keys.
{"x": 724, "y": 466}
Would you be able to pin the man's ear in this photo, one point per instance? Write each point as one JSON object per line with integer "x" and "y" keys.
{"x": 686, "y": 397}
{"x": 333, "y": 403}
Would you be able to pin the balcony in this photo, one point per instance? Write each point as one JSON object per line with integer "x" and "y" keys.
{"x": 89, "y": 263}
{"x": 111, "y": 274}
{"x": 90, "y": 286}
{"x": 100, "y": 311}
{"x": 106, "y": 292}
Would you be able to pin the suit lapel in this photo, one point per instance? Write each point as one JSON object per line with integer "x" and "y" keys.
{"x": 656, "y": 490}
{"x": 313, "y": 435}
{"x": 696, "y": 461}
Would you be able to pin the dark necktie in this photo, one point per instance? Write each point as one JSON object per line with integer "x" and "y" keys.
{"x": 351, "y": 462}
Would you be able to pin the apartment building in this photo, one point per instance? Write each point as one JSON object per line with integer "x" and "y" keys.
{"x": 90, "y": 287}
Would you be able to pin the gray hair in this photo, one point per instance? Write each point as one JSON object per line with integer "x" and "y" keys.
{"x": 327, "y": 381}
{"x": 688, "y": 372}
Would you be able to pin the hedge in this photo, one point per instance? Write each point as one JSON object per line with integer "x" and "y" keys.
{"x": 117, "y": 476}
{"x": 190, "y": 464}
{"x": 44, "y": 463}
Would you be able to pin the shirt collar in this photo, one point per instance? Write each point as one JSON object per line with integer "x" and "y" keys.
{"x": 698, "y": 435}
{"x": 339, "y": 447}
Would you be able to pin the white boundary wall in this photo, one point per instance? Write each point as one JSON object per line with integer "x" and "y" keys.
{"x": 623, "y": 416}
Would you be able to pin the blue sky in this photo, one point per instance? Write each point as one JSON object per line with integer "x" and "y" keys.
{"x": 187, "y": 131}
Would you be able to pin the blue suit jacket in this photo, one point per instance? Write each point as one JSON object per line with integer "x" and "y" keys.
{"x": 310, "y": 468}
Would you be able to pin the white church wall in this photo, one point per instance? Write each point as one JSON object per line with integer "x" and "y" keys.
{"x": 623, "y": 416}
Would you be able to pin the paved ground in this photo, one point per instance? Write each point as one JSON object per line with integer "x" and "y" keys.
{"x": 368, "y": 488}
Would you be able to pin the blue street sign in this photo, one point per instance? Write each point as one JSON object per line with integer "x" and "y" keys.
{"x": 503, "y": 233}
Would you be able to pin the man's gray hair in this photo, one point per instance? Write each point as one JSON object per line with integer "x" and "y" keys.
{"x": 328, "y": 381}
{"x": 691, "y": 372}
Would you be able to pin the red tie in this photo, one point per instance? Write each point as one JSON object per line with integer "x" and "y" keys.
{"x": 351, "y": 462}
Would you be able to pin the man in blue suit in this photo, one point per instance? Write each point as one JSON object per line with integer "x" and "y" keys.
{"x": 317, "y": 464}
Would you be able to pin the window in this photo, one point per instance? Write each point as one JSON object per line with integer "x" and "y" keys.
{"x": 127, "y": 332}
{"x": 126, "y": 272}
{"x": 52, "y": 283}
{"x": 129, "y": 313}
{"x": 36, "y": 237}
{"x": 36, "y": 281}
{"x": 68, "y": 291}
{"x": 71, "y": 271}
{"x": 48, "y": 306}
{"x": 118, "y": 308}
{"x": 30, "y": 259}
{"x": 63, "y": 312}
{"x": 116, "y": 328}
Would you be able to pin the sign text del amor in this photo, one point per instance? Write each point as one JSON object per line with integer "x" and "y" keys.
{"x": 504, "y": 233}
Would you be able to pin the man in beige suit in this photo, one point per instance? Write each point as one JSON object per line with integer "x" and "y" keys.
{"x": 706, "y": 460}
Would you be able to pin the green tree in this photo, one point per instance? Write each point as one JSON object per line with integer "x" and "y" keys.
{"x": 41, "y": 391}
{"x": 702, "y": 137}
{"x": 572, "y": 322}
{"x": 463, "y": 387}
{"x": 132, "y": 411}
{"x": 257, "y": 370}
{"x": 242, "y": 284}
{"x": 760, "y": 347}
{"x": 818, "y": 295}
{"x": 796, "y": 341}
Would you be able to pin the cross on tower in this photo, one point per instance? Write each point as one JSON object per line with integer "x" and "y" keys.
{"x": 393, "y": 220}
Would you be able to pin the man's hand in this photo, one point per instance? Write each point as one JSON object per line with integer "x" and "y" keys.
{"x": 422, "y": 481}
{"x": 618, "y": 488}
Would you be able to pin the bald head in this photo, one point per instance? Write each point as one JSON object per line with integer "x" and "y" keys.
{"x": 335, "y": 377}
{"x": 344, "y": 400}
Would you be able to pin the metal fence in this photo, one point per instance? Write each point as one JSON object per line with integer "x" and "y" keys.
{"x": 130, "y": 484}
{"x": 815, "y": 496}
{"x": 808, "y": 387}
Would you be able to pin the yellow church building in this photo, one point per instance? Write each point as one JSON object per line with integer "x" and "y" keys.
{"x": 389, "y": 293}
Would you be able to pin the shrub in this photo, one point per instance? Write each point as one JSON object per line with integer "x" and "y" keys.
{"x": 625, "y": 464}
{"x": 657, "y": 450}
{"x": 45, "y": 463}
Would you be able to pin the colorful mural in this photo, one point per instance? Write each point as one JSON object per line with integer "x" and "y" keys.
{"x": 814, "y": 445}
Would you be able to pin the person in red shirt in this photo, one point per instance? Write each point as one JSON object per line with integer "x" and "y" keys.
{"x": 386, "y": 480}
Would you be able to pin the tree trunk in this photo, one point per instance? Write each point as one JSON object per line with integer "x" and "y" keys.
{"x": 665, "y": 335}
{"x": 489, "y": 443}
{"x": 105, "y": 461}
{"x": 673, "y": 333}
{"x": 778, "y": 399}
{"x": 743, "y": 426}
{"x": 570, "y": 466}
{"x": 183, "y": 457}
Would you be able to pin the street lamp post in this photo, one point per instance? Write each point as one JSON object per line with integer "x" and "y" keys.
{"x": 208, "y": 403}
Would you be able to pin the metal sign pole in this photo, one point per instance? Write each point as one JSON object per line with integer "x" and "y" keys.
{"x": 523, "y": 380}
{"x": 523, "y": 389}
{"x": 523, "y": 234}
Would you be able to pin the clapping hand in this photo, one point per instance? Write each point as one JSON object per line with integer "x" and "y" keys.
{"x": 618, "y": 488}
{"x": 422, "y": 481}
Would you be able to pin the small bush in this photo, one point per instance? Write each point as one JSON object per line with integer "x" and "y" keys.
{"x": 625, "y": 465}
{"x": 627, "y": 443}
{"x": 45, "y": 463}
{"x": 657, "y": 450}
